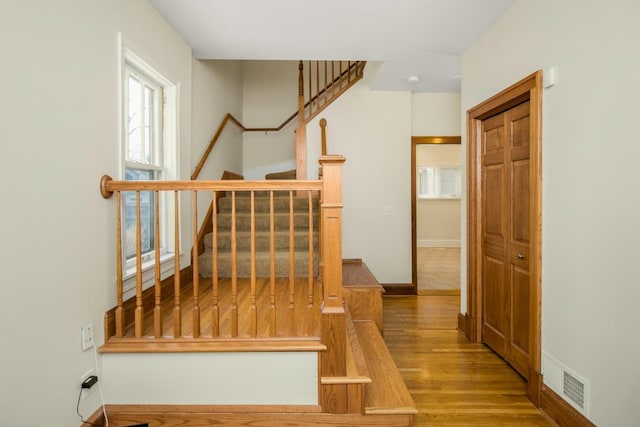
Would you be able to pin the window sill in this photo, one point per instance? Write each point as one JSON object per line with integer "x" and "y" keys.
{"x": 148, "y": 273}
{"x": 439, "y": 197}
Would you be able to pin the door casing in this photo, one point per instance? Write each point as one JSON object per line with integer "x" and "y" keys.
{"x": 529, "y": 88}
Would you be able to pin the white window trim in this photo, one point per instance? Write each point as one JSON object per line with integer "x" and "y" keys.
{"x": 170, "y": 153}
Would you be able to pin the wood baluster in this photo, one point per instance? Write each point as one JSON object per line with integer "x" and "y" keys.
{"x": 253, "y": 312}
{"x": 215, "y": 310}
{"x": 349, "y": 72}
{"x": 310, "y": 92}
{"x": 234, "y": 269}
{"x": 340, "y": 75}
{"x": 139, "y": 312}
{"x": 196, "y": 276}
{"x": 292, "y": 272}
{"x": 177, "y": 314}
{"x": 119, "y": 307}
{"x": 326, "y": 87}
{"x": 317, "y": 85}
{"x": 323, "y": 132}
{"x": 333, "y": 79}
{"x": 310, "y": 325}
{"x": 272, "y": 268}
{"x": 157, "y": 309}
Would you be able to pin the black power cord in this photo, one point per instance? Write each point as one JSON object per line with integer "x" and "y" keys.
{"x": 86, "y": 385}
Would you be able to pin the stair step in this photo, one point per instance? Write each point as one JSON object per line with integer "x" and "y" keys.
{"x": 262, "y": 220}
{"x": 263, "y": 264}
{"x": 263, "y": 239}
{"x": 263, "y": 204}
{"x": 387, "y": 393}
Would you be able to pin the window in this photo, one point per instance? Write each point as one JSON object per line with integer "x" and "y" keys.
{"x": 439, "y": 182}
{"x": 149, "y": 147}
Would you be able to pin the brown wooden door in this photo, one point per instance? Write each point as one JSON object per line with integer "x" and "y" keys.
{"x": 505, "y": 235}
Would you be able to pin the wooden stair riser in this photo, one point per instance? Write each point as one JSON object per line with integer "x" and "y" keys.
{"x": 263, "y": 241}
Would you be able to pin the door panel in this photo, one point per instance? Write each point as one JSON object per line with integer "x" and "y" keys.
{"x": 506, "y": 235}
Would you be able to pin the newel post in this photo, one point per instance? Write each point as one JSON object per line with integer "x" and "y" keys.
{"x": 301, "y": 130}
{"x": 334, "y": 335}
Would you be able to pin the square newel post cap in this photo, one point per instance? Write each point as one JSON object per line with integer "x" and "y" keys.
{"x": 332, "y": 158}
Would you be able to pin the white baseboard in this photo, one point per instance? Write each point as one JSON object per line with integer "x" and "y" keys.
{"x": 438, "y": 243}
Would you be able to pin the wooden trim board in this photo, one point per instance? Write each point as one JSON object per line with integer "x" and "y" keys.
{"x": 561, "y": 412}
{"x": 399, "y": 289}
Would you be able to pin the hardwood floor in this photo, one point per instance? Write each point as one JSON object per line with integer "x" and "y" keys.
{"x": 452, "y": 381}
{"x": 438, "y": 269}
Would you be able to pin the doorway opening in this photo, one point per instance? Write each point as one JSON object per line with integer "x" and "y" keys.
{"x": 435, "y": 214}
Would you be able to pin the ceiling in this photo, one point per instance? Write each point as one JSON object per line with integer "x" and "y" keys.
{"x": 422, "y": 38}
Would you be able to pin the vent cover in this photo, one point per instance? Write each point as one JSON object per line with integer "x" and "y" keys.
{"x": 573, "y": 389}
{"x": 566, "y": 383}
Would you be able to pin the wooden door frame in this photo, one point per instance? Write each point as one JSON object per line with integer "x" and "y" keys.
{"x": 415, "y": 141}
{"x": 529, "y": 88}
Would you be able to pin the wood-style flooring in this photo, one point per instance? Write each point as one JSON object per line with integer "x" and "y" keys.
{"x": 452, "y": 381}
{"x": 438, "y": 269}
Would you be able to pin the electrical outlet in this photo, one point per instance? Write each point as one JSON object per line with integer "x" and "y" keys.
{"x": 87, "y": 391}
{"x": 86, "y": 333}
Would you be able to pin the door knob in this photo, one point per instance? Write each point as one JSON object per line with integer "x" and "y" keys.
{"x": 520, "y": 256}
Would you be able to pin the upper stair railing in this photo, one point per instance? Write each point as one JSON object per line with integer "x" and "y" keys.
{"x": 325, "y": 81}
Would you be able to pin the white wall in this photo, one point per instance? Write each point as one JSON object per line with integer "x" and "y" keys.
{"x": 217, "y": 90}
{"x": 435, "y": 114}
{"x": 590, "y": 256}
{"x": 263, "y": 378}
{"x": 60, "y": 133}
{"x": 373, "y": 131}
{"x": 270, "y": 95}
{"x": 438, "y": 220}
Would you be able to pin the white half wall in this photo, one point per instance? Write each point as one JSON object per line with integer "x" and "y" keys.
{"x": 373, "y": 131}
{"x": 264, "y": 378}
{"x": 590, "y": 232}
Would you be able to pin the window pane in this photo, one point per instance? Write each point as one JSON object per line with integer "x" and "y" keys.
{"x": 148, "y": 125}
{"x": 147, "y": 201}
{"x": 134, "y": 130}
{"x": 449, "y": 182}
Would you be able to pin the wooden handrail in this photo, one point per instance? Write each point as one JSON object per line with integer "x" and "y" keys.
{"x": 108, "y": 185}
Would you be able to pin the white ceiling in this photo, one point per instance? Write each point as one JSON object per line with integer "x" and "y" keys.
{"x": 412, "y": 37}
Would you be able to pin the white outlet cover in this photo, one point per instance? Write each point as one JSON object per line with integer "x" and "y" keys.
{"x": 87, "y": 391}
{"x": 86, "y": 333}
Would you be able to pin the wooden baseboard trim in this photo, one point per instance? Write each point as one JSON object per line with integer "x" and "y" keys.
{"x": 463, "y": 324}
{"x": 244, "y": 415}
{"x": 399, "y": 289}
{"x": 561, "y": 412}
{"x": 439, "y": 292}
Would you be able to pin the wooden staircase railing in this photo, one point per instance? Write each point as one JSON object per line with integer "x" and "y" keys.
{"x": 332, "y": 79}
{"x": 141, "y": 322}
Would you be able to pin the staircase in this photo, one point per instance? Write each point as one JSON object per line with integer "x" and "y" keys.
{"x": 287, "y": 229}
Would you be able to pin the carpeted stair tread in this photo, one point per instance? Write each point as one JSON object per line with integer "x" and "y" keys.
{"x": 263, "y": 264}
{"x": 263, "y": 240}
{"x": 262, "y": 204}
{"x": 281, "y": 221}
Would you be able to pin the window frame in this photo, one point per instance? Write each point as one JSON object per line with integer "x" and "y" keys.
{"x": 164, "y": 164}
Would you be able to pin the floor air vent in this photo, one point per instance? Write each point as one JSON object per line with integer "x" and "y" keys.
{"x": 573, "y": 389}
{"x": 566, "y": 383}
